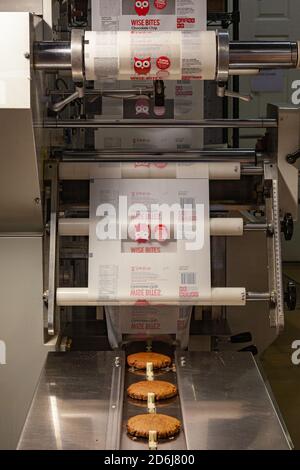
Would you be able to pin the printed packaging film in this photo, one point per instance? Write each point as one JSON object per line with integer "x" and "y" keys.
{"x": 183, "y": 99}
{"x": 165, "y": 55}
{"x": 149, "y": 275}
{"x": 128, "y": 270}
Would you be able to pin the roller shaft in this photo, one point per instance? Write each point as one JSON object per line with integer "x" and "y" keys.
{"x": 263, "y": 54}
{"x": 56, "y": 55}
{"x": 52, "y": 55}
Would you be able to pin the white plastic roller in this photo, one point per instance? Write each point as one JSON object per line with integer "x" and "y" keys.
{"x": 219, "y": 227}
{"x": 219, "y": 297}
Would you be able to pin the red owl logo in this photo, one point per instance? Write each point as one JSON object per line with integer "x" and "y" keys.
{"x": 142, "y": 7}
{"x": 142, "y": 66}
{"x": 142, "y": 107}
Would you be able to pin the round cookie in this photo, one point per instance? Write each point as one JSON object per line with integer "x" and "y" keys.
{"x": 139, "y": 360}
{"x": 162, "y": 390}
{"x": 166, "y": 426}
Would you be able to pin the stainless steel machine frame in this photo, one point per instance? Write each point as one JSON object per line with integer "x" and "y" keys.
{"x": 223, "y": 403}
{"x": 268, "y": 168}
{"x": 93, "y": 373}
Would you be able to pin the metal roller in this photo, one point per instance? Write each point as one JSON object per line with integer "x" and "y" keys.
{"x": 231, "y": 57}
{"x": 52, "y": 55}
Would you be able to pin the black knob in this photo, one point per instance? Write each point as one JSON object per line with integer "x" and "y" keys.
{"x": 292, "y": 158}
{"x": 290, "y": 296}
{"x": 287, "y": 227}
{"x": 253, "y": 349}
{"x": 241, "y": 338}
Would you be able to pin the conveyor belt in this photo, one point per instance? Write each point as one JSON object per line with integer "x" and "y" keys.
{"x": 223, "y": 403}
{"x": 133, "y": 407}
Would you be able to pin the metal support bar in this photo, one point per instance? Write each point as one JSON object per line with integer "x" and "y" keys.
{"x": 52, "y": 174}
{"x": 56, "y": 55}
{"x": 114, "y": 422}
{"x": 274, "y": 247}
{"x": 263, "y": 54}
{"x": 256, "y": 228}
{"x": 258, "y": 297}
{"x": 166, "y": 124}
{"x": 245, "y": 156}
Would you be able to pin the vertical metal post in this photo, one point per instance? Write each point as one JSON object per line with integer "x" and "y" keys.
{"x": 52, "y": 175}
{"x": 236, "y": 79}
{"x": 274, "y": 247}
{"x": 114, "y": 423}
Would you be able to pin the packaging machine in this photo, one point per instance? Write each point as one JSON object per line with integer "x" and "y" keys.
{"x": 154, "y": 292}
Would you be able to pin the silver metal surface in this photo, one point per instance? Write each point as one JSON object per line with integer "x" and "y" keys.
{"x": 274, "y": 248}
{"x": 245, "y": 156}
{"x": 263, "y": 54}
{"x": 84, "y": 155}
{"x": 133, "y": 407}
{"x": 52, "y": 56}
{"x": 252, "y": 170}
{"x": 152, "y": 124}
{"x": 258, "y": 296}
{"x": 71, "y": 406}
{"x": 222, "y": 56}
{"x": 225, "y": 403}
{"x": 235, "y": 55}
{"x": 121, "y": 93}
{"x": 60, "y": 105}
{"x": 77, "y": 37}
{"x": 52, "y": 170}
{"x": 114, "y": 423}
{"x": 256, "y": 227}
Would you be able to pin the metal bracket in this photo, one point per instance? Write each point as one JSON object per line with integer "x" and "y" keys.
{"x": 52, "y": 175}
{"x": 274, "y": 247}
{"x": 222, "y": 92}
{"x": 114, "y": 422}
{"x": 77, "y": 61}
{"x": 222, "y": 56}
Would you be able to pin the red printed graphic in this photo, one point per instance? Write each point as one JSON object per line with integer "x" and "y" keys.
{"x": 142, "y": 233}
{"x": 141, "y": 303}
{"x": 160, "y": 4}
{"x": 160, "y": 165}
{"x": 142, "y": 7}
{"x": 141, "y": 164}
{"x": 142, "y": 107}
{"x": 163, "y": 62}
{"x": 161, "y": 233}
{"x": 183, "y": 22}
{"x": 142, "y": 66}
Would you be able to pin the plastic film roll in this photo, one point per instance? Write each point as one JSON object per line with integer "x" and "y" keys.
{"x": 219, "y": 297}
{"x": 140, "y": 170}
{"x": 150, "y": 55}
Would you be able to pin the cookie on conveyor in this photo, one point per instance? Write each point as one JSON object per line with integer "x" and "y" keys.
{"x": 162, "y": 390}
{"x": 139, "y": 360}
{"x": 165, "y": 426}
